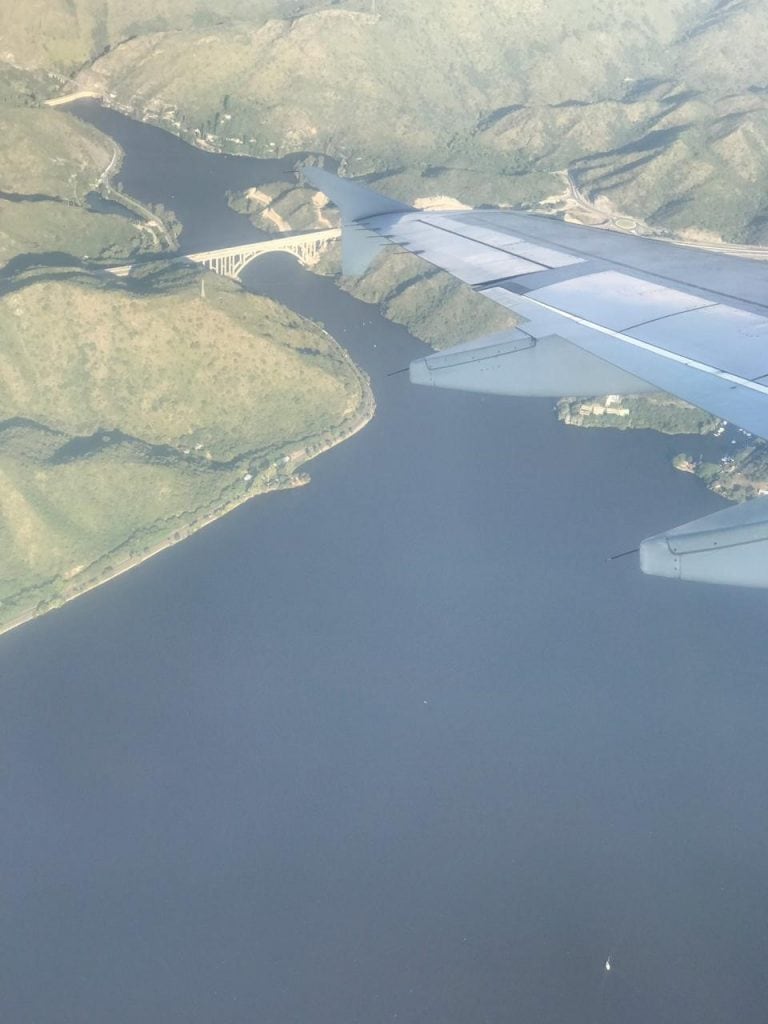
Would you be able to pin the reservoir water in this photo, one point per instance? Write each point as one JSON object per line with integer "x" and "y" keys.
{"x": 400, "y": 745}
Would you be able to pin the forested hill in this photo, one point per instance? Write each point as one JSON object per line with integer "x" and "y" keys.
{"x": 661, "y": 108}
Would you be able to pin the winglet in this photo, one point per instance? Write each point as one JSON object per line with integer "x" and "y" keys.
{"x": 358, "y": 245}
{"x": 355, "y": 201}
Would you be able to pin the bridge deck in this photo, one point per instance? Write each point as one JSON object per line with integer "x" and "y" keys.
{"x": 235, "y": 257}
{"x": 282, "y": 243}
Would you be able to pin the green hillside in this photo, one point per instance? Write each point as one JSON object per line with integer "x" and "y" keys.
{"x": 51, "y": 163}
{"x": 49, "y": 152}
{"x": 62, "y": 35}
{"x": 128, "y": 420}
{"x": 661, "y": 109}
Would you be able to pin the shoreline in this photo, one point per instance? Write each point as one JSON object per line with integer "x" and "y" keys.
{"x": 145, "y": 117}
{"x": 297, "y": 459}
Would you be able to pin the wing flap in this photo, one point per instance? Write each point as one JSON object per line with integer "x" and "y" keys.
{"x": 731, "y": 339}
{"x": 470, "y": 261}
{"x": 616, "y": 300}
{"x": 490, "y": 237}
{"x": 734, "y": 398}
{"x": 729, "y": 546}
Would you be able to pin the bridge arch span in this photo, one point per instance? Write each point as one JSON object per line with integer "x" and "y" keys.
{"x": 232, "y": 261}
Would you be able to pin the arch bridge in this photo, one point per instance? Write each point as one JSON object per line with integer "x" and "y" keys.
{"x": 232, "y": 261}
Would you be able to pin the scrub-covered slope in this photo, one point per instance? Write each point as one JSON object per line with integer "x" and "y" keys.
{"x": 51, "y": 166}
{"x": 127, "y": 421}
{"x": 489, "y": 100}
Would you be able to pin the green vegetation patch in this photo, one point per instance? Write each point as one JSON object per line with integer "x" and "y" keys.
{"x": 62, "y": 35}
{"x": 25, "y": 87}
{"x": 230, "y": 371}
{"x": 57, "y": 227}
{"x": 281, "y": 206}
{"x": 703, "y": 165}
{"x": 488, "y": 103}
{"x": 49, "y": 152}
{"x": 740, "y": 474}
{"x": 737, "y": 477}
{"x": 51, "y": 162}
{"x": 424, "y": 74}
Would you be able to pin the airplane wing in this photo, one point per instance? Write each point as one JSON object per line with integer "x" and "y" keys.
{"x": 602, "y": 312}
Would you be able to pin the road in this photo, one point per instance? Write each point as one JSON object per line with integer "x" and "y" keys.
{"x": 577, "y": 202}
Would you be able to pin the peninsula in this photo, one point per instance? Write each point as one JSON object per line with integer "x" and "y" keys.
{"x": 142, "y": 418}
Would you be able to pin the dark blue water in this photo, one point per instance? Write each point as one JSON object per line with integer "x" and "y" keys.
{"x": 160, "y": 168}
{"x": 398, "y": 746}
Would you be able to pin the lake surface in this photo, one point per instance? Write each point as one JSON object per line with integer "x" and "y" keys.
{"x": 397, "y": 746}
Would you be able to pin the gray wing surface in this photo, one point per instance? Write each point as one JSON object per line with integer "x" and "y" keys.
{"x": 691, "y": 323}
{"x": 602, "y": 311}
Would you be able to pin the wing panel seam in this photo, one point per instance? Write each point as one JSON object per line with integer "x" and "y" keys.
{"x": 668, "y": 316}
{"x": 606, "y": 261}
{"x": 488, "y": 245}
{"x": 646, "y": 346}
